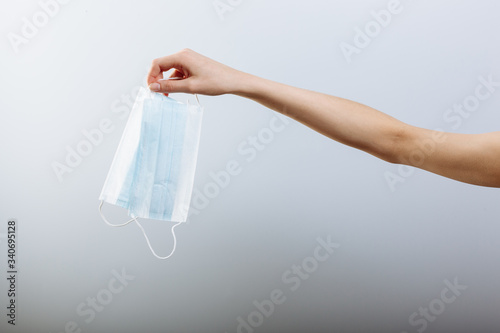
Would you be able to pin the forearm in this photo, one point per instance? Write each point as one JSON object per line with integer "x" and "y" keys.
{"x": 342, "y": 120}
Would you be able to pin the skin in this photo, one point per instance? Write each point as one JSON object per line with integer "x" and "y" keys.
{"x": 469, "y": 158}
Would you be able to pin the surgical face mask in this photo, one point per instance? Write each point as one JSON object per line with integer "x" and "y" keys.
{"x": 153, "y": 169}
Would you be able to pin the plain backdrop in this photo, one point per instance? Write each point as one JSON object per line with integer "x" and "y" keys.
{"x": 397, "y": 246}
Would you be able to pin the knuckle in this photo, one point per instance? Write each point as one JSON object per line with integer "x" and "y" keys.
{"x": 186, "y": 53}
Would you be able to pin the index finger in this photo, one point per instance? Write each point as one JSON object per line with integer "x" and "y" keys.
{"x": 159, "y": 66}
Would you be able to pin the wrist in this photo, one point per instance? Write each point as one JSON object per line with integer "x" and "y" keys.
{"x": 244, "y": 85}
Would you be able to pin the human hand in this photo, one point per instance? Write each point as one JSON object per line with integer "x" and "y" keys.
{"x": 193, "y": 73}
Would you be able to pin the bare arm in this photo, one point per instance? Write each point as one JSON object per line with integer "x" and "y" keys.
{"x": 470, "y": 158}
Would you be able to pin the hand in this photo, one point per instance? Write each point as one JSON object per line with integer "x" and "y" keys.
{"x": 194, "y": 73}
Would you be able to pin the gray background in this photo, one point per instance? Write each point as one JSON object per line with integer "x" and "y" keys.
{"x": 396, "y": 247}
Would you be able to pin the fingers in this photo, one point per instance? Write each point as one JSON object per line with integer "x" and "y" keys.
{"x": 191, "y": 73}
{"x": 155, "y": 73}
{"x": 175, "y": 74}
{"x": 155, "y": 76}
{"x": 171, "y": 86}
{"x": 161, "y": 65}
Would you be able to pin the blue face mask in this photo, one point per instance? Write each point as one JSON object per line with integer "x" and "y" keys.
{"x": 153, "y": 169}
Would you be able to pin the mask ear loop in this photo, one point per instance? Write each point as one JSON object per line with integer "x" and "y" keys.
{"x": 110, "y": 224}
{"x": 143, "y": 232}
{"x": 149, "y": 244}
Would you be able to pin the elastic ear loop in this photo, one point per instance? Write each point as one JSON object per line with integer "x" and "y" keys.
{"x": 143, "y": 232}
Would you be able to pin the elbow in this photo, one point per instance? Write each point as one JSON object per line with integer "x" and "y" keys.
{"x": 393, "y": 145}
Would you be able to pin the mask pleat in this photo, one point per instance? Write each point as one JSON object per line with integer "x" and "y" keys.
{"x": 164, "y": 187}
{"x": 141, "y": 189}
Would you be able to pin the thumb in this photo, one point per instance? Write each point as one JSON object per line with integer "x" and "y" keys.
{"x": 170, "y": 86}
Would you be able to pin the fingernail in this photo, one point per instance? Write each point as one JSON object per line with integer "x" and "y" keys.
{"x": 154, "y": 86}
